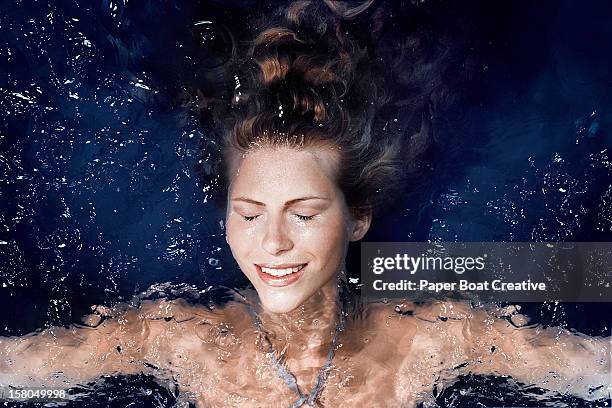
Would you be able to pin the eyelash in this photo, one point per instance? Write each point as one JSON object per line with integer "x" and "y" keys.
{"x": 301, "y": 217}
{"x": 305, "y": 217}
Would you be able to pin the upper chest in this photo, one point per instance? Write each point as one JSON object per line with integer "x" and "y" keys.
{"x": 227, "y": 369}
{"x": 224, "y": 362}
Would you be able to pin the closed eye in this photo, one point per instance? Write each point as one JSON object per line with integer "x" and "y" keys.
{"x": 300, "y": 217}
{"x": 305, "y": 217}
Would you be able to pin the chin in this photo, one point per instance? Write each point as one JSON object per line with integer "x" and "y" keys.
{"x": 280, "y": 304}
{"x": 274, "y": 308}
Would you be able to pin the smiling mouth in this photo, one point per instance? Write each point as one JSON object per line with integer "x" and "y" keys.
{"x": 280, "y": 275}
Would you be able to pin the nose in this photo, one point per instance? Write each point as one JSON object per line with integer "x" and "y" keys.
{"x": 276, "y": 239}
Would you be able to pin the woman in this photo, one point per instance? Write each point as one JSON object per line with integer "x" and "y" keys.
{"x": 308, "y": 165}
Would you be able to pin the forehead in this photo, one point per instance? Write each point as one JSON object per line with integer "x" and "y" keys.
{"x": 277, "y": 172}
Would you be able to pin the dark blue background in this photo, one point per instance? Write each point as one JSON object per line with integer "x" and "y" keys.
{"x": 99, "y": 196}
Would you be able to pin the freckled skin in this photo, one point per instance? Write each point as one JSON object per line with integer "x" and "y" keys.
{"x": 274, "y": 176}
{"x": 384, "y": 358}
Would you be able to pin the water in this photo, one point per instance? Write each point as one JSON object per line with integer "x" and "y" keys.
{"x": 100, "y": 196}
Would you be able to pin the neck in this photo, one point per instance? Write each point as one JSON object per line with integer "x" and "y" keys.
{"x": 313, "y": 323}
{"x": 302, "y": 337}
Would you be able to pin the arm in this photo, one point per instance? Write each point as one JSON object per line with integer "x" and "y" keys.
{"x": 453, "y": 339}
{"x": 552, "y": 358}
{"x": 127, "y": 341}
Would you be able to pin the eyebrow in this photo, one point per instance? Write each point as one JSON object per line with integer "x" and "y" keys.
{"x": 287, "y": 204}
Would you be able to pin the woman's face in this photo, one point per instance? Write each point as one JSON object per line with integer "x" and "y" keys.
{"x": 288, "y": 224}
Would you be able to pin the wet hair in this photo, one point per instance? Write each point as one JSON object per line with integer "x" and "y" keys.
{"x": 319, "y": 73}
{"x": 367, "y": 81}
{"x": 307, "y": 83}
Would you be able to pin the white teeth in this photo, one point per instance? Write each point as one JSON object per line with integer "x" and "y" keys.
{"x": 282, "y": 271}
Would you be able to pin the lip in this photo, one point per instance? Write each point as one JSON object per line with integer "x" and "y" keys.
{"x": 281, "y": 266}
{"x": 280, "y": 281}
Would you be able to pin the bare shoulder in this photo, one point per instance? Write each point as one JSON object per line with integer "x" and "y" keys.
{"x": 424, "y": 336}
{"x": 456, "y": 322}
{"x": 179, "y": 317}
{"x": 403, "y": 317}
{"x": 189, "y": 308}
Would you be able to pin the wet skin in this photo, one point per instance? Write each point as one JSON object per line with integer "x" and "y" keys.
{"x": 285, "y": 210}
{"x": 384, "y": 357}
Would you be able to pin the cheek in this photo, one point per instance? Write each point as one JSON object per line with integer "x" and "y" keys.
{"x": 327, "y": 242}
{"x": 234, "y": 232}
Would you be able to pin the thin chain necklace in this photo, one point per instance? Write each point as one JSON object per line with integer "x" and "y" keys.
{"x": 287, "y": 376}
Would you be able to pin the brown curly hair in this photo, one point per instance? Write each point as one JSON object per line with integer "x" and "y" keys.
{"x": 306, "y": 81}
